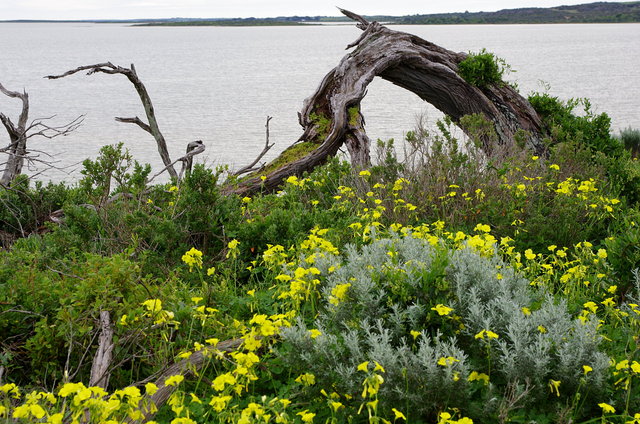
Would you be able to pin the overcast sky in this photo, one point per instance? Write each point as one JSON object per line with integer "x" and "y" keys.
{"x": 126, "y": 9}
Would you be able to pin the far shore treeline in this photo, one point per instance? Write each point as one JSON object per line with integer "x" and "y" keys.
{"x": 598, "y": 12}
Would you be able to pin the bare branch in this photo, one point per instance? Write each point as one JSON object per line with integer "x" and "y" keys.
{"x": 137, "y": 121}
{"x": 48, "y": 131}
{"x": 108, "y": 68}
{"x": 152, "y": 127}
{"x": 193, "y": 148}
{"x": 362, "y": 21}
{"x": 267, "y": 147}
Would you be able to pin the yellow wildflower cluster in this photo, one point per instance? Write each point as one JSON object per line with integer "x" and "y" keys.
{"x": 193, "y": 258}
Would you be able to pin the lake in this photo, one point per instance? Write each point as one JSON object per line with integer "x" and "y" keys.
{"x": 218, "y": 84}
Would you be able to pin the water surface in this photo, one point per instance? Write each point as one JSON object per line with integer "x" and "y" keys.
{"x": 218, "y": 84}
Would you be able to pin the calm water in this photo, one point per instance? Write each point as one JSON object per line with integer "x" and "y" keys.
{"x": 219, "y": 84}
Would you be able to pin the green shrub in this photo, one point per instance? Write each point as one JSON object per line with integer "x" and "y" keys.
{"x": 563, "y": 124}
{"x": 392, "y": 313}
{"x": 630, "y": 138}
{"x": 482, "y": 69}
{"x": 25, "y": 209}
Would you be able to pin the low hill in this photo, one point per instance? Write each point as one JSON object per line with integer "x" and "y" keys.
{"x": 599, "y": 12}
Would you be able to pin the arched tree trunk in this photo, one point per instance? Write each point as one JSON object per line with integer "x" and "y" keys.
{"x": 331, "y": 116}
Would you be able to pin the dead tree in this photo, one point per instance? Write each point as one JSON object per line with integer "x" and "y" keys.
{"x": 152, "y": 126}
{"x": 21, "y": 132}
{"x": 331, "y": 117}
{"x": 17, "y": 147}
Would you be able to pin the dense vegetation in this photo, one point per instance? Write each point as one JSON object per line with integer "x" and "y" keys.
{"x": 600, "y": 12}
{"x": 443, "y": 287}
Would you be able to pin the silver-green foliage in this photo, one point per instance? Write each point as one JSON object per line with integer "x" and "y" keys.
{"x": 395, "y": 283}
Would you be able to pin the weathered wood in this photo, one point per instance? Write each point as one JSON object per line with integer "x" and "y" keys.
{"x": 267, "y": 147}
{"x": 104, "y": 355}
{"x": 331, "y": 116}
{"x": 17, "y": 138}
{"x": 187, "y": 367}
{"x": 152, "y": 127}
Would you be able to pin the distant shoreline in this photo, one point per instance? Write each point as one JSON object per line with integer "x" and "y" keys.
{"x": 599, "y": 12}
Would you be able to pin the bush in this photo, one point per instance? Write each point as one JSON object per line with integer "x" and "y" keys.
{"x": 482, "y": 69}
{"x": 630, "y": 138}
{"x": 440, "y": 322}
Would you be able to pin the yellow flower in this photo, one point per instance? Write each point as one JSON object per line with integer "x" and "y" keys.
{"x": 529, "y": 254}
{"x": 174, "y": 380}
{"x": 153, "y": 305}
{"x": 587, "y": 369}
{"x": 554, "y": 386}
{"x": 542, "y": 329}
{"x": 606, "y": 408}
{"x": 193, "y": 258}
{"x": 398, "y": 414}
{"x": 415, "y": 334}
{"x": 306, "y": 416}
{"x": 69, "y": 388}
{"x": 490, "y": 334}
{"x": 591, "y": 306}
{"x": 57, "y": 419}
{"x": 314, "y": 332}
{"x": 525, "y": 311}
{"x": 478, "y": 376}
{"x": 233, "y": 244}
{"x": 219, "y": 403}
{"x": 482, "y": 228}
{"x": 442, "y": 309}
{"x": 554, "y": 167}
{"x": 446, "y": 361}
{"x": 363, "y": 366}
{"x": 306, "y": 379}
{"x": 211, "y": 271}
{"x": 339, "y": 293}
{"x": 220, "y": 381}
{"x": 335, "y": 405}
{"x": 365, "y": 173}
{"x": 150, "y": 388}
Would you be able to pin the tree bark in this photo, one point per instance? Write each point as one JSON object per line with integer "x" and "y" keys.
{"x": 331, "y": 116}
{"x": 102, "y": 360}
{"x": 17, "y": 148}
{"x": 152, "y": 127}
{"x": 190, "y": 366}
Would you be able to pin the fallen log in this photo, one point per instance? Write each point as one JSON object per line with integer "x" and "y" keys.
{"x": 331, "y": 117}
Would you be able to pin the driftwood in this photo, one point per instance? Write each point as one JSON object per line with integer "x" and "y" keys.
{"x": 331, "y": 117}
{"x": 151, "y": 127}
{"x": 187, "y": 367}
{"x": 104, "y": 355}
